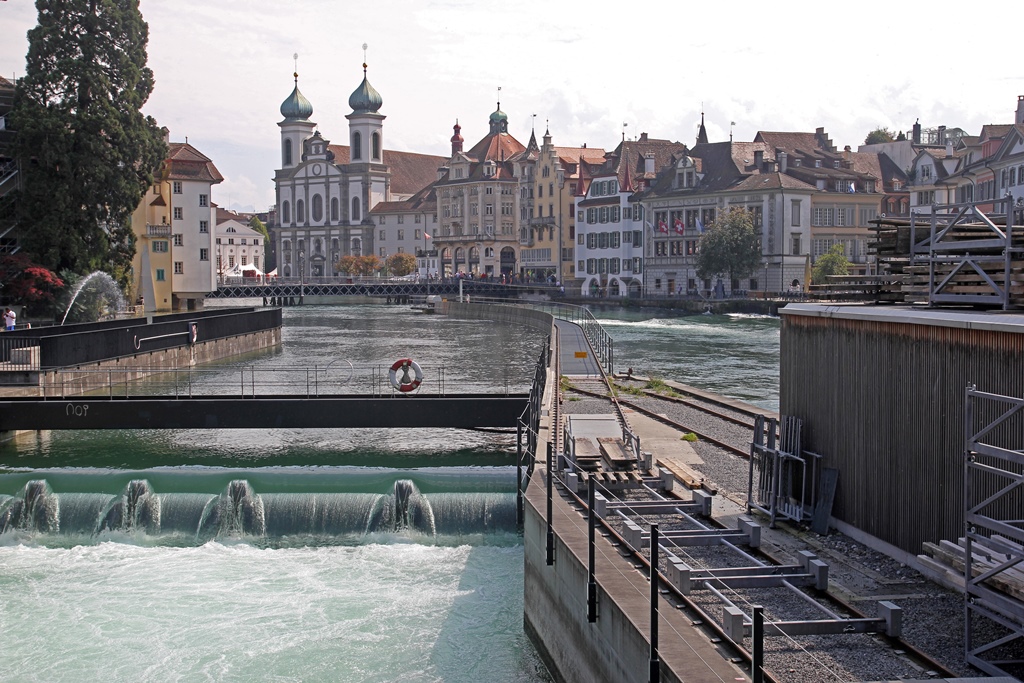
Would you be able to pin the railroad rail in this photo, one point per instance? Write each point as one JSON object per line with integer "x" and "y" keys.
{"x": 619, "y": 523}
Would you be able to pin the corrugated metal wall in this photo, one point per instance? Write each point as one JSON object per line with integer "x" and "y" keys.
{"x": 884, "y": 403}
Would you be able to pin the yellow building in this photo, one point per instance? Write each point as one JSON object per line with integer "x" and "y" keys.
{"x": 173, "y": 225}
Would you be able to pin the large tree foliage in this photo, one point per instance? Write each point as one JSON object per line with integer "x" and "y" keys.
{"x": 832, "y": 263}
{"x": 879, "y": 135}
{"x": 401, "y": 264}
{"x": 730, "y": 245}
{"x": 87, "y": 153}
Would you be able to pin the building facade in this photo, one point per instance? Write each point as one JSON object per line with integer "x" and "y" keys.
{"x": 326, "y": 193}
{"x": 239, "y": 250}
{"x": 174, "y": 258}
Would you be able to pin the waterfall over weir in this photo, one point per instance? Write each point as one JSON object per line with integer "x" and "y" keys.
{"x": 239, "y": 511}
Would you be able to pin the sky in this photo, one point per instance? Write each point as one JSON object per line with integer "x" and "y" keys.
{"x": 588, "y": 71}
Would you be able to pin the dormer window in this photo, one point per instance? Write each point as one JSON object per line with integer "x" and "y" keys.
{"x": 836, "y": 164}
{"x": 817, "y": 163}
{"x": 897, "y": 186}
{"x": 798, "y": 162}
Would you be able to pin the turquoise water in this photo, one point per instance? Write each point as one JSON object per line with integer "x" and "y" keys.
{"x": 733, "y": 355}
{"x": 254, "y": 555}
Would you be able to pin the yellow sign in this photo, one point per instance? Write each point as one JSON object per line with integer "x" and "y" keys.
{"x": 581, "y": 354}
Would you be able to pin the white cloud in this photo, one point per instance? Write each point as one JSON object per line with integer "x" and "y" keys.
{"x": 223, "y": 68}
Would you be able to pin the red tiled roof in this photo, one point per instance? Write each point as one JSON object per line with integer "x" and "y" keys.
{"x": 410, "y": 172}
{"x": 185, "y": 162}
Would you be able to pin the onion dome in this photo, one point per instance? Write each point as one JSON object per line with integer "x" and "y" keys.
{"x": 365, "y": 99}
{"x": 296, "y": 107}
{"x": 499, "y": 115}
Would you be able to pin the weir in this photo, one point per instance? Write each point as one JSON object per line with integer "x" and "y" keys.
{"x": 241, "y": 511}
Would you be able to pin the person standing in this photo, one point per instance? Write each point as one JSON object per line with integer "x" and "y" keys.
{"x": 10, "y": 319}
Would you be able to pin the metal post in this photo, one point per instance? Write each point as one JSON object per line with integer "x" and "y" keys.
{"x": 551, "y": 532}
{"x": 655, "y": 676}
{"x": 519, "y": 473}
{"x": 591, "y": 581}
{"x": 757, "y": 645}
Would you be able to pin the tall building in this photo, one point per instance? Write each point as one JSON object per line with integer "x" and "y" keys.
{"x": 478, "y": 204}
{"x": 173, "y": 263}
{"x": 326, "y": 193}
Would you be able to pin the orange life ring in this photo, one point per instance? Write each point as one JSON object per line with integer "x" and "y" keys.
{"x": 405, "y": 383}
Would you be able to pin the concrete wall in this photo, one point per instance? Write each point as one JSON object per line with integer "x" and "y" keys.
{"x": 96, "y": 375}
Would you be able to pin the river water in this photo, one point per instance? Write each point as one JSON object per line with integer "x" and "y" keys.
{"x": 306, "y": 555}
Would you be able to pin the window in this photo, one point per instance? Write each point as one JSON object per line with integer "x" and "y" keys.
{"x": 204, "y": 254}
{"x": 626, "y": 212}
{"x": 179, "y": 240}
{"x": 357, "y": 144}
{"x": 795, "y": 214}
{"x": 231, "y": 240}
{"x": 334, "y": 209}
{"x": 401, "y": 220}
{"x": 176, "y": 187}
{"x": 401, "y": 235}
{"x": 603, "y": 214}
{"x": 383, "y": 252}
{"x": 287, "y": 152}
{"x": 160, "y": 275}
{"x": 286, "y": 214}
{"x": 375, "y": 142}
{"x": 300, "y": 211}
{"x": 661, "y": 248}
{"x": 204, "y": 226}
{"x": 823, "y": 217}
{"x": 160, "y": 246}
{"x": 355, "y": 210}
{"x": 179, "y": 267}
{"x": 204, "y": 200}
{"x": 318, "y": 208}
{"x": 178, "y": 214}
{"x": 615, "y": 214}
{"x": 796, "y": 245}
{"x": 602, "y": 240}
{"x": 638, "y": 237}
{"x": 926, "y": 171}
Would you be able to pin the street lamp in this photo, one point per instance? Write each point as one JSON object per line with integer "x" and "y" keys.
{"x": 301, "y": 264}
{"x": 765, "y": 278}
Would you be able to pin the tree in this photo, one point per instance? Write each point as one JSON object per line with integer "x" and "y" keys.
{"x": 730, "y": 245}
{"x": 87, "y": 153}
{"x": 260, "y": 227}
{"x": 401, "y": 264}
{"x": 368, "y": 265}
{"x": 832, "y": 263}
{"x": 879, "y": 135}
{"x": 28, "y": 283}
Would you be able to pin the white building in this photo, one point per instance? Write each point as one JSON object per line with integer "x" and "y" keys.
{"x": 325, "y": 192}
{"x": 238, "y": 248}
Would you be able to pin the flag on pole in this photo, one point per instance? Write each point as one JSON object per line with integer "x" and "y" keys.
{"x": 662, "y": 227}
{"x": 700, "y": 227}
{"x": 853, "y": 187}
{"x": 678, "y": 225}
{"x": 648, "y": 224}
{"x": 425, "y": 235}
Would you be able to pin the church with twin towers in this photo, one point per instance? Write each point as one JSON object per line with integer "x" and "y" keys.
{"x": 469, "y": 213}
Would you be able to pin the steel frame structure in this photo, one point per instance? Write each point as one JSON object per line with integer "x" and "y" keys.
{"x": 782, "y": 480}
{"x": 939, "y": 250}
{"x": 991, "y": 474}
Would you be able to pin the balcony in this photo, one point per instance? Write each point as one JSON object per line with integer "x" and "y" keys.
{"x": 162, "y": 230}
{"x": 545, "y": 220}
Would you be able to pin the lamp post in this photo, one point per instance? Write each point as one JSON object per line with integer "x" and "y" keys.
{"x": 766, "y": 278}
{"x": 302, "y": 263}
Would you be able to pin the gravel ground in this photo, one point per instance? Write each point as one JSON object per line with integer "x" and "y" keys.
{"x": 933, "y": 619}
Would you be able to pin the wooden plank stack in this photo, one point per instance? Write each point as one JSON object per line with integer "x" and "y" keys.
{"x": 972, "y": 241}
{"x": 947, "y": 560}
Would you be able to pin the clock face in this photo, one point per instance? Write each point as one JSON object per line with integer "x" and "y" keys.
{"x": 317, "y": 169}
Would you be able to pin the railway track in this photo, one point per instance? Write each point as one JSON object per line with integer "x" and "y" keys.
{"x": 884, "y": 648}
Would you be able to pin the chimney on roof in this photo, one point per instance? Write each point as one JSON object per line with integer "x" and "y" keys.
{"x": 643, "y": 137}
{"x": 783, "y": 161}
{"x": 167, "y": 135}
{"x": 942, "y": 135}
{"x": 847, "y": 157}
{"x": 648, "y": 160}
{"x": 1019, "y": 118}
{"x": 758, "y": 159}
{"x": 917, "y": 133}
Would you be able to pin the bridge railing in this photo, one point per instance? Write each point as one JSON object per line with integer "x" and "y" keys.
{"x": 329, "y": 379}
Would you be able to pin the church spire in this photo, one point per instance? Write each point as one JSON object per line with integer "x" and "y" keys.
{"x": 702, "y": 133}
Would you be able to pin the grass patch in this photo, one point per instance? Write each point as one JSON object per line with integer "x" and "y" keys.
{"x": 689, "y": 436}
{"x": 565, "y": 383}
{"x": 574, "y": 398}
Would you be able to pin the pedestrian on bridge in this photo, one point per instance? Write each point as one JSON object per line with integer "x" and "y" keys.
{"x": 9, "y": 319}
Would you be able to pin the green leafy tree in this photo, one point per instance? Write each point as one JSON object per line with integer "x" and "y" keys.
{"x": 879, "y": 135}
{"x": 401, "y": 264}
{"x": 87, "y": 153}
{"x": 730, "y": 246}
{"x": 832, "y": 263}
{"x": 260, "y": 227}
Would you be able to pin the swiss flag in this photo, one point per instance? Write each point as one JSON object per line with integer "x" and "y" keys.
{"x": 678, "y": 225}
